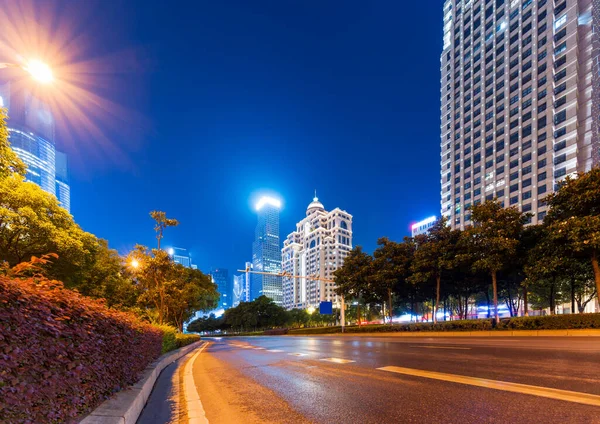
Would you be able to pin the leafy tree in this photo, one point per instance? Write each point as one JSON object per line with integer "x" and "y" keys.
{"x": 493, "y": 240}
{"x": 162, "y": 222}
{"x": 434, "y": 255}
{"x": 188, "y": 291}
{"x": 105, "y": 277}
{"x": 206, "y": 324}
{"x": 10, "y": 163}
{"x": 574, "y": 217}
{"x": 153, "y": 275}
{"x": 32, "y": 223}
{"x": 391, "y": 269}
{"x": 351, "y": 278}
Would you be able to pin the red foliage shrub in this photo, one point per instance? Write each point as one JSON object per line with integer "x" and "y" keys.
{"x": 62, "y": 354}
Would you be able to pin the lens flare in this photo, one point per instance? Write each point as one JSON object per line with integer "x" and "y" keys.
{"x": 39, "y": 71}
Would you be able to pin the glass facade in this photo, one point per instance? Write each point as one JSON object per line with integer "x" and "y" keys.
{"x": 31, "y": 134}
{"x": 519, "y": 101}
{"x": 266, "y": 254}
{"x": 221, "y": 278}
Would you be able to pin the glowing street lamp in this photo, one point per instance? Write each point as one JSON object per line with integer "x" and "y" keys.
{"x": 38, "y": 70}
{"x": 311, "y": 310}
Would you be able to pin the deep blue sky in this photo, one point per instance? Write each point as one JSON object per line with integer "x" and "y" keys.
{"x": 283, "y": 96}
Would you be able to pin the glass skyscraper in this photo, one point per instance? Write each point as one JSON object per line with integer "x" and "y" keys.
{"x": 520, "y": 101}
{"x": 220, "y": 277}
{"x": 266, "y": 252}
{"x": 31, "y": 134}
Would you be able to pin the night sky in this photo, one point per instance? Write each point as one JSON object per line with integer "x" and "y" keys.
{"x": 225, "y": 100}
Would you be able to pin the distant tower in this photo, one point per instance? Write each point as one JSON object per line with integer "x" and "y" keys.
{"x": 220, "y": 277}
{"x": 317, "y": 248}
{"x": 31, "y": 130}
{"x": 266, "y": 251}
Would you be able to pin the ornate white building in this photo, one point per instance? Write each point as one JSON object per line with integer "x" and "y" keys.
{"x": 315, "y": 250}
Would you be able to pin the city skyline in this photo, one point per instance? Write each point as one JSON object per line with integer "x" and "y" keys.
{"x": 221, "y": 132}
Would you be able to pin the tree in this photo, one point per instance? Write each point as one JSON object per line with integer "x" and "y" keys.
{"x": 10, "y": 163}
{"x": 574, "y": 218}
{"x": 162, "y": 222}
{"x": 391, "y": 269}
{"x": 105, "y": 277}
{"x": 32, "y": 223}
{"x": 434, "y": 255}
{"x": 188, "y": 291}
{"x": 493, "y": 240}
{"x": 155, "y": 270}
{"x": 351, "y": 278}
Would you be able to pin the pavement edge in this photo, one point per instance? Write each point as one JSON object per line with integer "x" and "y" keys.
{"x": 496, "y": 333}
{"x": 195, "y": 410}
{"x": 126, "y": 406}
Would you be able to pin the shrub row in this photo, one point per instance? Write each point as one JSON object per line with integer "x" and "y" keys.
{"x": 186, "y": 339}
{"x": 550, "y": 322}
{"x": 61, "y": 354}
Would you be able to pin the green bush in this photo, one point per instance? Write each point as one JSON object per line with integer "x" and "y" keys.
{"x": 551, "y": 322}
{"x": 186, "y": 339}
{"x": 169, "y": 341}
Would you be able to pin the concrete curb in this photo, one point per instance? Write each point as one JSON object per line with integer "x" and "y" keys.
{"x": 498, "y": 333}
{"x": 195, "y": 410}
{"x": 126, "y": 406}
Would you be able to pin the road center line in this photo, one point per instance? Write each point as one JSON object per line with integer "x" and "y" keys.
{"x": 259, "y": 348}
{"x": 547, "y": 392}
{"x": 338, "y": 360}
{"x": 275, "y": 350}
{"x": 442, "y": 347}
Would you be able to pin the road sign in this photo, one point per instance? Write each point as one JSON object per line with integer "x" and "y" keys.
{"x": 326, "y": 308}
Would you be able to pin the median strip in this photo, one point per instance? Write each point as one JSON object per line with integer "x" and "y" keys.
{"x": 547, "y": 392}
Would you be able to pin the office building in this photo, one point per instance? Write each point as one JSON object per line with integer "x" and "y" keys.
{"x": 519, "y": 101}
{"x": 63, "y": 189}
{"x": 220, "y": 277}
{"x": 31, "y": 129}
{"x": 266, "y": 252}
{"x": 315, "y": 249}
{"x": 422, "y": 227}
{"x": 181, "y": 256}
{"x": 237, "y": 290}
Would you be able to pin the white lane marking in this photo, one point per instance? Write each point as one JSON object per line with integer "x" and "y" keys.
{"x": 195, "y": 410}
{"x": 547, "y": 392}
{"x": 297, "y": 354}
{"x": 274, "y": 350}
{"x": 441, "y": 347}
{"x": 338, "y": 360}
{"x": 259, "y": 348}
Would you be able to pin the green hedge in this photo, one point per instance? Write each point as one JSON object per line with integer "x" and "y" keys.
{"x": 186, "y": 339}
{"x": 550, "y": 322}
{"x": 173, "y": 340}
{"x": 169, "y": 341}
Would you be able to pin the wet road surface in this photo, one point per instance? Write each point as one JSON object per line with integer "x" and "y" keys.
{"x": 344, "y": 379}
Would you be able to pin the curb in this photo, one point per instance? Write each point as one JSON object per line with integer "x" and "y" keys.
{"x": 125, "y": 407}
{"x": 195, "y": 410}
{"x": 498, "y": 333}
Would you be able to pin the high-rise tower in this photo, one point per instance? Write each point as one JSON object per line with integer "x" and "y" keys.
{"x": 316, "y": 249}
{"x": 266, "y": 251}
{"x": 520, "y": 101}
{"x": 31, "y": 130}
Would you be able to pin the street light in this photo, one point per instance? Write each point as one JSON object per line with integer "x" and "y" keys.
{"x": 38, "y": 70}
{"x": 311, "y": 310}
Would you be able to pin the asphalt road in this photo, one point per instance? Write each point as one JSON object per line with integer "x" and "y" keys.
{"x": 334, "y": 379}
